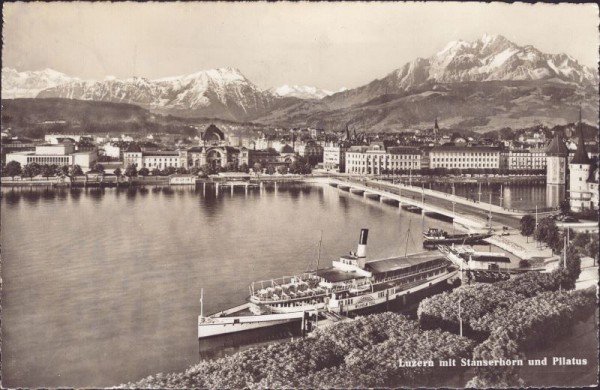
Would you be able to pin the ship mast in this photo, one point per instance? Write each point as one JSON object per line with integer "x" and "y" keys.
{"x": 407, "y": 237}
{"x": 319, "y": 253}
{"x": 201, "y": 302}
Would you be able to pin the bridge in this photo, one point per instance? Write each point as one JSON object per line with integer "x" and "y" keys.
{"x": 393, "y": 194}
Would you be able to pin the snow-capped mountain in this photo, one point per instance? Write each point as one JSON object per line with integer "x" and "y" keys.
{"x": 28, "y": 84}
{"x": 491, "y": 82}
{"x": 301, "y": 92}
{"x": 491, "y": 58}
{"x": 225, "y": 93}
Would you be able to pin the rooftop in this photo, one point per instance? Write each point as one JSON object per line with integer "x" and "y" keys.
{"x": 473, "y": 149}
{"x": 396, "y": 263}
{"x": 557, "y": 147}
{"x": 334, "y": 275}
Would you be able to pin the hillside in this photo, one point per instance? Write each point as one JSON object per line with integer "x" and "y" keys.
{"x": 27, "y": 117}
{"x": 480, "y": 106}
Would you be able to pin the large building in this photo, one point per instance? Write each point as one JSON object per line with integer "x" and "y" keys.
{"x": 524, "y": 159}
{"x": 58, "y": 154}
{"x": 334, "y": 157}
{"x": 583, "y": 179}
{"x": 376, "y": 159}
{"x": 155, "y": 159}
{"x": 464, "y": 157}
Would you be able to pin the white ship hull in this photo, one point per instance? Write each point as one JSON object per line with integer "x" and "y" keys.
{"x": 215, "y": 326}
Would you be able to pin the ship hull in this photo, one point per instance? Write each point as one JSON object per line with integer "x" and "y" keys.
{"x": 217, "y": 326}
{"x": 466, "y": 240}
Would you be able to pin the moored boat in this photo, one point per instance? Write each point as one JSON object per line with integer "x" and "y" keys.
{"x": 352, "y": 283}
{"x": 434, "y": 237}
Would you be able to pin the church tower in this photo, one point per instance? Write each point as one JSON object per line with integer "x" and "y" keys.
{"x": 579, "y": 172}
{"x": 436, "y": 131}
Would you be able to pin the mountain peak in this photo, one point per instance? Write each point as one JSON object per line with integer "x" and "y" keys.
{"x": 301, "y": 92}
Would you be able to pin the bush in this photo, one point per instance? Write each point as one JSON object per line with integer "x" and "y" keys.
{"x": 361, "y": 353}
{"x": 441, "y": 311}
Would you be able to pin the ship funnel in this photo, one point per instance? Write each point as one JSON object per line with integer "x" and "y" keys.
{"x": 362, "y": 243}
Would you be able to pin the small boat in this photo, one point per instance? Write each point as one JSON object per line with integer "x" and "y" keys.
{"x": 434, "y": 237}
{"x": 413, "y": 209}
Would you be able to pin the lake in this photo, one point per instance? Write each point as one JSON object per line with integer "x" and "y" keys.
{"x": 102, "y": 286}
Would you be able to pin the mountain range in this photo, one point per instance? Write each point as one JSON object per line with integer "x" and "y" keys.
{"x": 485, "y": 84}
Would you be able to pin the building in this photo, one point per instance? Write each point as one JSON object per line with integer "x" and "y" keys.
{"x": 55, "y": 154}
{"x": 524, "y": 159}
{"x": 153, "y": 159}
{"x": 212, "y": 155}
{"x": 112, "y": 150}
{"x": 268, "y": 157}
{"x": 464, "y": 157}
{"x": 376, "y": 159}
{"x": 313, "y": 152}
{"x": 580, "y": 178}
{"x": 178, "y": 179}
{"x": 54, "y": 139}
{"x": 334, "y": 157}
{"x": 556, "y": 161}
{"x": 15, "y": 145}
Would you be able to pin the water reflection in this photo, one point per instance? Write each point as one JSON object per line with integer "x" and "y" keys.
{"x": 11, "y": 197}
{"x": 132, "y": 291}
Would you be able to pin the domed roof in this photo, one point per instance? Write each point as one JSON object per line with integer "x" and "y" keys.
{"x": 213, "y": 133}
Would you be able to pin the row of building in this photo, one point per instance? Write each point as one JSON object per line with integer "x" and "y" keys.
{"x": 377, "y": 158}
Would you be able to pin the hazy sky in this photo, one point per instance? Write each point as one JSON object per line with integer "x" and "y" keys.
{"x": 329, "y": 45}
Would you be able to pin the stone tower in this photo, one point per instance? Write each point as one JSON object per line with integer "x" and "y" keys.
{"x": 556, "y": 161}
{"x": 579, "y": 172}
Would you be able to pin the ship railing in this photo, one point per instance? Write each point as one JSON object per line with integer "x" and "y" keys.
{"x": 289, "y": 296}
{"x": 285, "y": 281}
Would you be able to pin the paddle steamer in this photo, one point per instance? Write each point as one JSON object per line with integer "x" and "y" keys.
{"x": 352, "y": 283}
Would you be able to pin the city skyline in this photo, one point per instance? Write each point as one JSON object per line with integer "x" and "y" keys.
{"x": 302, "y": 44}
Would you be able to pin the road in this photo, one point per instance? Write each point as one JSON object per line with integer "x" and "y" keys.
{"x": 459, "y": 208}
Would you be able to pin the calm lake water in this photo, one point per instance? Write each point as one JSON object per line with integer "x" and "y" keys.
{"x": 513, "y": 196}
{"x": 101, "y": 287}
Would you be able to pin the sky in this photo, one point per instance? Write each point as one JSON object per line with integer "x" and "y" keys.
{"x": 328, "y": 45}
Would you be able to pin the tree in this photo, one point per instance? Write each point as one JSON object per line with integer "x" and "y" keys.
{"x": 156, "y": 172}
{"x": 131, "y": 170}
{"x": 244, "y": 168}
{"x": 282, "y": 170}
{"x": 592, "y": 249}
{"x": 270, "y": 170}
{"x": 47, "y": 171}
{"x": 565, "y": 206}
{"x": 581, "y": 240}
{"x": 32, "y": 169}
{"x": 144, "y": 171}
{"x": 194, "y": 170}
{"x": 181, "y": 170}
{"x": 527, "y": 225}
{"x": 12, "y": 169}
{"x": 76, "y": 170}
{"x": 98, "y": 168}
{"x": 64, "y": 170}
{"x": 257, "y": 168}
{"x": 118, "y": 173}
{"x": 169, "y": 171}
{"x": 546, "y": 231}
